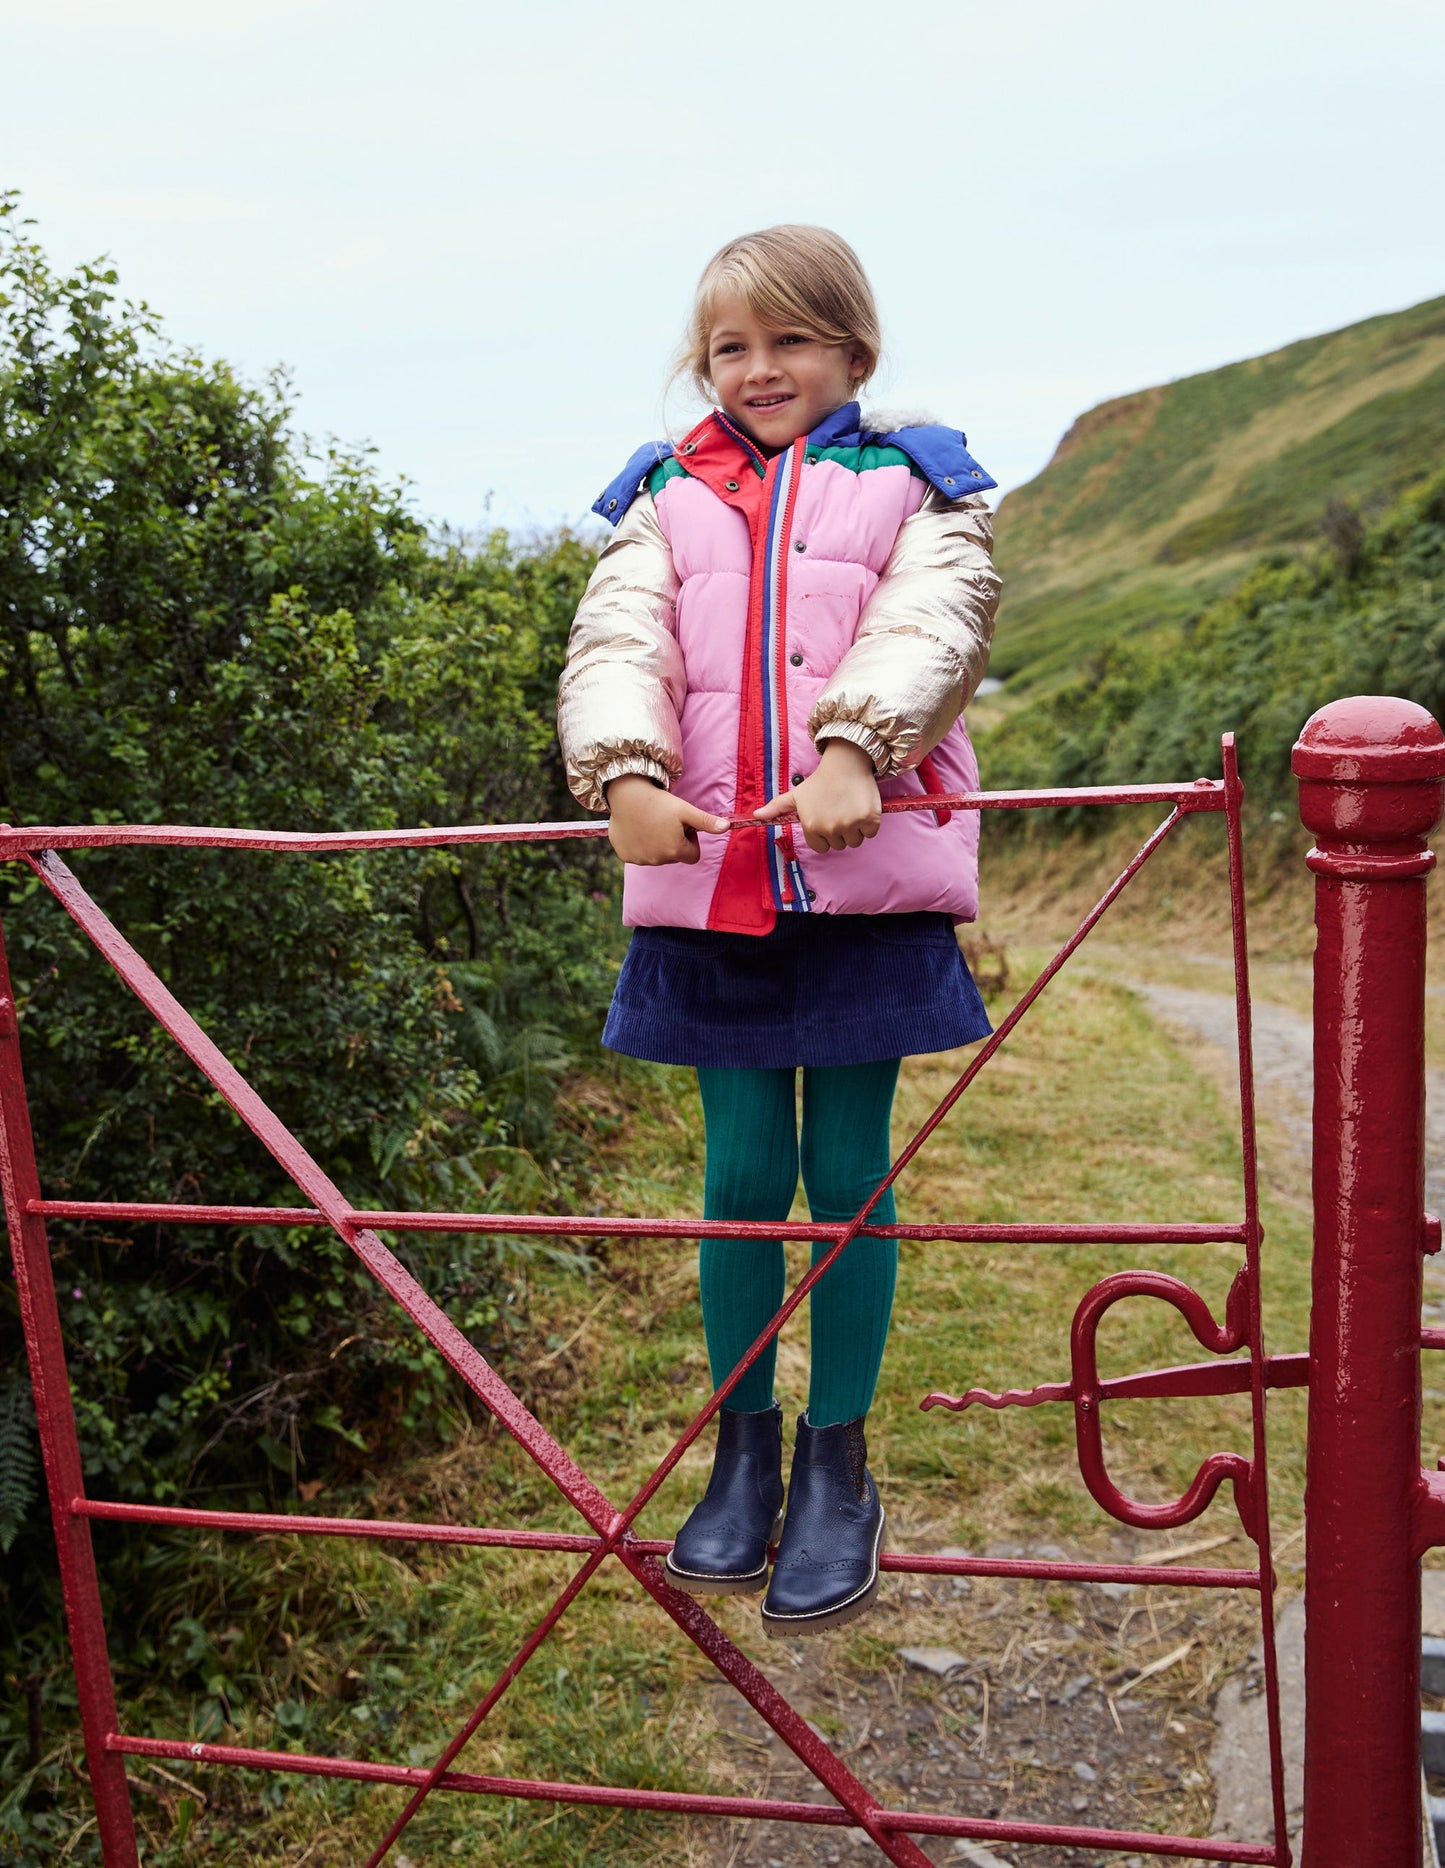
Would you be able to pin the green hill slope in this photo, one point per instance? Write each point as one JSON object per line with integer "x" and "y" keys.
{"x": 1295, "y": 633}
{"x": 1156, "y": 502}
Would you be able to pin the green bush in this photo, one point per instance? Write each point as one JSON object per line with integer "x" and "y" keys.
{"x": 202, "y": 622}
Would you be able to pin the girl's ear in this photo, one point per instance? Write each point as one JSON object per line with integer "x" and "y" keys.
{"x": 857, "y": 366}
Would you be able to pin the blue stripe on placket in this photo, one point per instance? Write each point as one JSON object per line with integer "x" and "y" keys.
{"x": 774, "y": 752}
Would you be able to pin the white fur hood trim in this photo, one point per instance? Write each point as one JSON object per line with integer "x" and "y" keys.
{"x": 888, "y": 421}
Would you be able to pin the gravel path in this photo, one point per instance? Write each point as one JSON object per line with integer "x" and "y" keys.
{"x": 1283, "y": 1067}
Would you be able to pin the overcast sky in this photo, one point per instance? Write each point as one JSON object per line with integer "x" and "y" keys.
{"x": 471, "y": 231}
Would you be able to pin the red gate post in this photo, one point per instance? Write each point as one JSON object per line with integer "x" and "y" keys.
{"x": 1370, "y": 772}
{"x": 59, "y": 1445}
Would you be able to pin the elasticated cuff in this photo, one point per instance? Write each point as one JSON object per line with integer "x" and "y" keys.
{"x": 857, "y": 734}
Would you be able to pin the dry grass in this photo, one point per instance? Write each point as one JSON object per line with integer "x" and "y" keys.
{"x": 1092, "y": 1112}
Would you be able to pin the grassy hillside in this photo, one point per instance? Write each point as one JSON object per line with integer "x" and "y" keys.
{"x": 1297, "y": 632}
{"x": 1156, "y": 502}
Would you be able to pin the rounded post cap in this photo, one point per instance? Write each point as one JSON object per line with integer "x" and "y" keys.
{"x": 1370, "y": 739}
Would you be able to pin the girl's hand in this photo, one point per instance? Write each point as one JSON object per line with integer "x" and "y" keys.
{"x": 650, "y": 826}
{"x": 838, "y": 805}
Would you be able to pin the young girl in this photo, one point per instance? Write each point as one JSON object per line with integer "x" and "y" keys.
{"x": 794, "y": 611}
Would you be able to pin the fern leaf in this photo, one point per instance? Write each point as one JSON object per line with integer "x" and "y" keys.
{"x": 19, "y": 1458}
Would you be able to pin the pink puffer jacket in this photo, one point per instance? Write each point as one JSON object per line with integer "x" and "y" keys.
{"x": 750, "y": 609}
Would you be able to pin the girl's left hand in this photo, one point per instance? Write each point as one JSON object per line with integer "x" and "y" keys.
{"x": 838, "y": 805}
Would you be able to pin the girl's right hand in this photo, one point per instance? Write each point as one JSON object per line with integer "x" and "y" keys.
{"x": 650, "y": 826}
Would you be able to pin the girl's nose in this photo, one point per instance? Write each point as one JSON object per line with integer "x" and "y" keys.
{"x": 762, "y": 369}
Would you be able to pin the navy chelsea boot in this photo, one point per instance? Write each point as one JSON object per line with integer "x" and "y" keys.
{"x": 722, "y": 1550}
{"x": 827, "y": 1565}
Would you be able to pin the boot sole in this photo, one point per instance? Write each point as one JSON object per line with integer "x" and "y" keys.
{"x": 781, "y": 1627}
{"x": 697, "y": 1583}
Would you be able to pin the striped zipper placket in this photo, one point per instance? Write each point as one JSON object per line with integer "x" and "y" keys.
{"x": 750, "y": 448}
{"x": 784, "y": 871}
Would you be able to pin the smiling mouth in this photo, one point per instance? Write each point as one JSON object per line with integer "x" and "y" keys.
{"x": 764, "y": 403}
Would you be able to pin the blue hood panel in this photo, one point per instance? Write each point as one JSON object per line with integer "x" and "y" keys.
{"x": 940, "y": 454}
{"x": 612, "y": 502}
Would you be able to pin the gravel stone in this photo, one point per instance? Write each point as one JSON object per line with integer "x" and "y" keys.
{"x": 941, "y": 1661}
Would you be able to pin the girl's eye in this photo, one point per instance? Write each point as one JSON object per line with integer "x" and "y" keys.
{"x": 794, "y": 337}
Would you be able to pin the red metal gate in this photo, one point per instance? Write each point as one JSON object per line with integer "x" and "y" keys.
{"x": 609, "y": 1534}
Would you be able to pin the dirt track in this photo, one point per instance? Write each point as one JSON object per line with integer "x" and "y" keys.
{"x": 1284, "y": 1066}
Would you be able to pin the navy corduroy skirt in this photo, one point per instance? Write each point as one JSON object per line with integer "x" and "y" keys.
{"x": 819, "y": 989}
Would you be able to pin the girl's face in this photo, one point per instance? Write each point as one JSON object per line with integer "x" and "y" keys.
{"x": 776, "y": 384}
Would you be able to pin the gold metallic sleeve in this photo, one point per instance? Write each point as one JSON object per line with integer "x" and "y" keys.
{"x": 620, "y": 696}
{"x": 923, "y": 639}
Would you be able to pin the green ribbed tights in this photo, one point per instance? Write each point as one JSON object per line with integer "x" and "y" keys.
{"x": 752, "y": 1173}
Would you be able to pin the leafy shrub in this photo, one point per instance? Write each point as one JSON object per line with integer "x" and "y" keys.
{"x": 201, "y": 622}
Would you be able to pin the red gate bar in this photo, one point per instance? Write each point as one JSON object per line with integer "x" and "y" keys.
{"x": 908, "y": 1563}
{"x": 1232, "y": 1377}
{"x": 1250, "y": 1287}
{"x": 681, "y": 1802}
{"x": 611, "y": 1534}
{"x": 1370, "y": 775}
{"x": 1203, "y": 794}
{"x": 578, "y": 1226}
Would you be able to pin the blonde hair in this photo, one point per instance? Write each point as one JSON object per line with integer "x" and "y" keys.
{"x": 791, "y": 278}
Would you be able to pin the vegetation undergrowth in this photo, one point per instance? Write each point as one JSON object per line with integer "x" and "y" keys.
{"x": 207, "y": 619}
{"x": 1091, "y": 1111}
